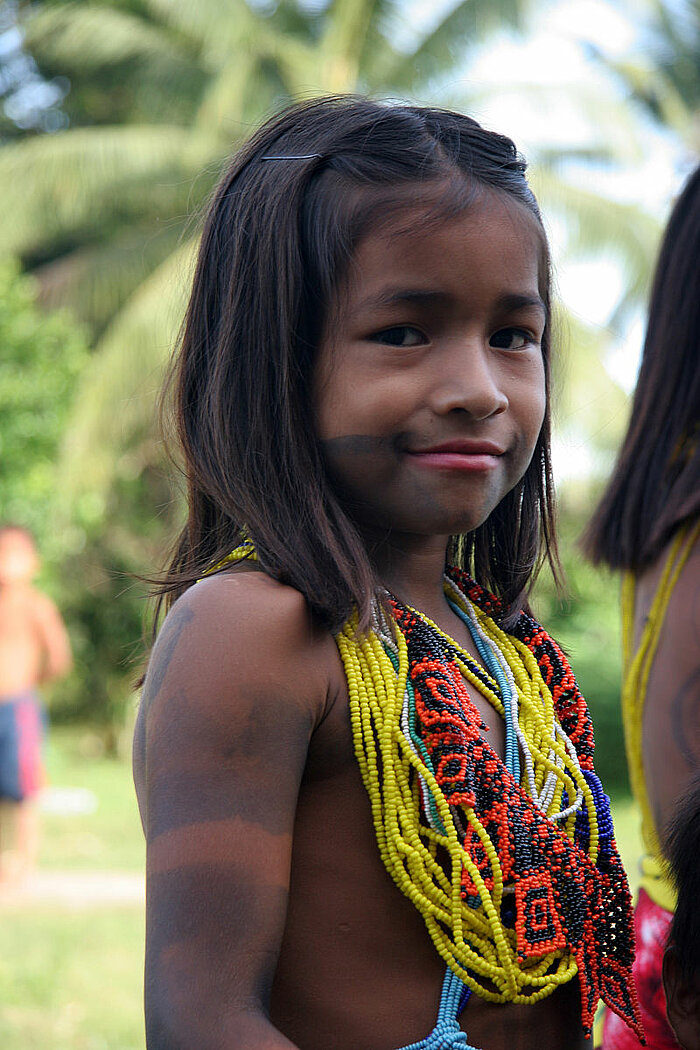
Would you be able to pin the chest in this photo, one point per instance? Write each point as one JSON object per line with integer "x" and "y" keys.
{"x": 17, "y": 622}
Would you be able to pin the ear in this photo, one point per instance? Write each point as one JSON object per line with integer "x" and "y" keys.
{"x": 682, "y": 1001}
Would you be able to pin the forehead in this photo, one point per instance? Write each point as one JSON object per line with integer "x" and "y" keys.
{"x": 492, "y": 240}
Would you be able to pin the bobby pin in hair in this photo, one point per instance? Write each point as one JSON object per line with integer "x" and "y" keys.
{"x": 299, "y": 156}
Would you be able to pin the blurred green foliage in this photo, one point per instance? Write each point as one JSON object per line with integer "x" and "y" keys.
{"x": 106, "y": 837}
{"x": 88, "y": 560}
{"x": 585, "y": 621}
{"x": 105, "y": 603}
{"x": 41, "y": 359}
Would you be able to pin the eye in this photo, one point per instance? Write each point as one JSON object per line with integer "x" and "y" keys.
{"x": 402, "y": 335}
{"x": 512, "y": 339}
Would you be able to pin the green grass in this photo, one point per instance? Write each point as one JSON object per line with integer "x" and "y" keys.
{"x": 111, "y": 836}
{"x": 73, "y": 980}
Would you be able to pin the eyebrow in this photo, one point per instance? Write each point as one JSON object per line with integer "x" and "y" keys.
{"x": 518, "y": 301}
{"x": 418, "y": 296}
{"x": 402, "y": 295}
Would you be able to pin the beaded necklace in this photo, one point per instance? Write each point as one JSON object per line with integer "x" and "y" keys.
{"x": 638, "y": 664}
{"x": 520, "y": 887}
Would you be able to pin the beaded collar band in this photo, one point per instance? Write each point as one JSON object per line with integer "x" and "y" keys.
{"x": 517, "y": 876}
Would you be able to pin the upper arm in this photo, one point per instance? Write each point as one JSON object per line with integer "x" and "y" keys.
{"x": 53, "y": 638}
{"x": 672, "y": 712}
{"x": 231, "y": 698}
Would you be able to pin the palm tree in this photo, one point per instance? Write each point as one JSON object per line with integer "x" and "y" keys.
{"x": 662, "y": 77}
{"x": 102, "y": 212}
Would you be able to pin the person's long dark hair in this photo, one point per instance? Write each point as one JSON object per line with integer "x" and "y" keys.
{"x": 655, "y": 485}
{"x": 277, "y": 242}
{"x": 681, "y": 846}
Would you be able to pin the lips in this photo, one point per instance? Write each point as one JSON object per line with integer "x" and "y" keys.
{"x": 461, "y": 447}
{"x": 461, "y": 455}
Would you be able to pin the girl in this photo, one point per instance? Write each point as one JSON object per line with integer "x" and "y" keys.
{"x": 648, "y": 525}
{"x": 347, "y": 800}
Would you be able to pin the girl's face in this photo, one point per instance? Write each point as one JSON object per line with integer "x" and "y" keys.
{"x": 430, "y": 384}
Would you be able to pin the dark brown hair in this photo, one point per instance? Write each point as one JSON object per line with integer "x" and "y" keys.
{"x": 276, "y": 244}
{"x": 656, "y": 482}
{"x": 682, "y": 847}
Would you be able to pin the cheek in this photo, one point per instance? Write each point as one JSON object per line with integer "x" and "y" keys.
{"x": 348, "y": 406}
{"x": 535, "y": 404}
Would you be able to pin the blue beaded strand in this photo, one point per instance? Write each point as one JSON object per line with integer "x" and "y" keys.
{"x": 493, "y": 666}
{"x": 447, "y": 1034}
{"x": 606, "y": 831}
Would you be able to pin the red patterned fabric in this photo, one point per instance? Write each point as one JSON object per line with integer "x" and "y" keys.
{"x": 651, "y": 925}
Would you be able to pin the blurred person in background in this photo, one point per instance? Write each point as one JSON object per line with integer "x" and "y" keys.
{"x": 681, "y": 970}
{"x": 647, "y": 525}
{"x": 34, "y": 648}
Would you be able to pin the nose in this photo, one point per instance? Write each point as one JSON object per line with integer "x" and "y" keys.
{"x": 467, "y": 379}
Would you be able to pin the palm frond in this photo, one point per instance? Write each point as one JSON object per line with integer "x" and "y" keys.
{"x": 96, "y": 280}
{"x": 84, "y": 38}
{"x": 51, "y": 185}
{"x": 598, "y": 225}
{"x": 347, "y": 24}
{"x": 116, "y": 401}
{"x": 217, "y": 26}
{"x": 122, "y": 67}
{"x": 241, "y": 96}
{"x": 591, "y": 408}
{"x": 465, "y": 26}
{"x": 296, "y": 62}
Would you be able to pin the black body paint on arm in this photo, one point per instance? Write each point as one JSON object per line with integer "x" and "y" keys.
{"x": 180, "y": 618}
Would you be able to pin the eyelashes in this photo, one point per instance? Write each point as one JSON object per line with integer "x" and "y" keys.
{"x": 512, "y": 339}
{"x": 400, "y": 335}
{"x": 406, "y": 336}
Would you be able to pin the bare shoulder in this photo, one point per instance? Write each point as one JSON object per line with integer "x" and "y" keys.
{"x": 38, "y": 604}
{"x": 46, "y": 618}
{"x": 238, "y": 658}
{"x": 241, "y": 627}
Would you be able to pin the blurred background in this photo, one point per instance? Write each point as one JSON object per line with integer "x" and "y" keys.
{"x": 115, "y": 121}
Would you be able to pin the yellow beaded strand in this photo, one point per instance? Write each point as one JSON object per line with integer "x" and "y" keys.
{"x": 536, "y": 716}
{"x": 473, "y": 942}
{"x": 638, "y": 666}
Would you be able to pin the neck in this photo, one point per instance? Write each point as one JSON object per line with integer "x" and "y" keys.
{"x": 412, "y": 568}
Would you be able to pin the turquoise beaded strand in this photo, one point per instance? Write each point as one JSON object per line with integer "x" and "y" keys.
{"x": 447, "y": 1034}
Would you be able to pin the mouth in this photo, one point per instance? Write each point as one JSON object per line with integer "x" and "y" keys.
{"x": 461, "y": 455}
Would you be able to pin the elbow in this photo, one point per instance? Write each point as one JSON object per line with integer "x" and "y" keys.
{"x": 213, "y": 1028}
{"x": 161, "y": 1035}
{"x": 157, "y": 1035}
{"x": 163, "y": 1032}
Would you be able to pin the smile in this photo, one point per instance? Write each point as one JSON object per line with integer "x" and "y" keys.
{"x": 475, "y": 456}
